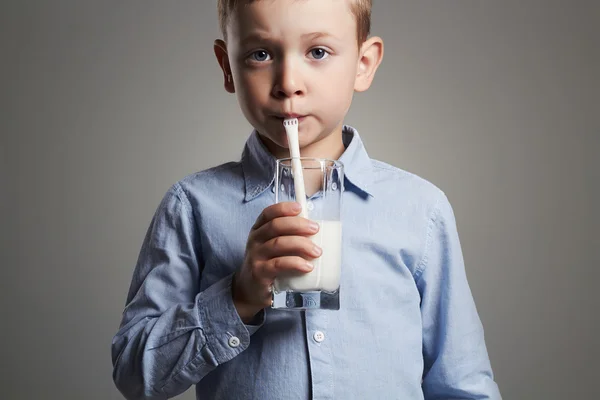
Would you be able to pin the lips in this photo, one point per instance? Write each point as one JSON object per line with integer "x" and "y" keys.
{"x": 290, "y": 116}
{"x": 284, "y": 114}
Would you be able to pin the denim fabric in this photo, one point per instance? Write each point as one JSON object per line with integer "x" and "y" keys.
{"x": 407, "y": 328}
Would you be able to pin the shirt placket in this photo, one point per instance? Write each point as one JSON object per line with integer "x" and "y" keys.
{"x": 319, "y": 354}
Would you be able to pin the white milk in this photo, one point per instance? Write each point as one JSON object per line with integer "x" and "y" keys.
{"x": 326, "y": 274}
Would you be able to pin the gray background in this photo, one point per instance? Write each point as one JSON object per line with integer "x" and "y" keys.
{"x": 104, "y": 104}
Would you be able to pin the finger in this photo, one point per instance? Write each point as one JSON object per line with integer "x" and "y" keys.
{"x": 287, "y": 264}
{"x": 285, "y": 226}
{"x": 290, "y": 246}
{"x": 283, "y": 209}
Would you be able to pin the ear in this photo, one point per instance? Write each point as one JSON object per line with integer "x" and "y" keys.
{"x": 370, "y": 56}
{"x": 220, "y": 48}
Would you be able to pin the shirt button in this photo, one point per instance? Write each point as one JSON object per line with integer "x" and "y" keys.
{"x": 319, "y": 336}
{"x": 273, "y": 188}
{"x": 234, "y": 341}
{"x": 310, "y": 205}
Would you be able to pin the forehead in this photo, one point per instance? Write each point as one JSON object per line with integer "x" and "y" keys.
{"x": 289, "y": 17}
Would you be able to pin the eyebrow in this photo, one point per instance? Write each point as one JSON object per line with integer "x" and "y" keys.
{"x": 319, "y": 35}
{"x": 259, "y": 37}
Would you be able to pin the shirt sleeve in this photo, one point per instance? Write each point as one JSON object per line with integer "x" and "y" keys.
{"x": 456, "y": 363}
{"x": 171, "y": 334}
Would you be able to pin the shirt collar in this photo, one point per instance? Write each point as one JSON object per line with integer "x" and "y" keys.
{"x": 259, "y": 164}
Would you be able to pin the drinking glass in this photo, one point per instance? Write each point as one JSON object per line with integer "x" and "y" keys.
{"x": 323, "y": 184}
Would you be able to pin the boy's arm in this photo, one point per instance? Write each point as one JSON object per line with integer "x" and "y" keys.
{"x": 171, "y": 335}
{"x": 456, "y": 359}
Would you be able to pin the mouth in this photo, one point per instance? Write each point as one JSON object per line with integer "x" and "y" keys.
{"x": 283, "y": 117}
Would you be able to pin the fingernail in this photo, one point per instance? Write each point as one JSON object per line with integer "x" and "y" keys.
{"x": 317, "y": 250}
{"x": 309, "y": 266}
{"x": 313, "y": 226}
{"x": 296, "y": 207}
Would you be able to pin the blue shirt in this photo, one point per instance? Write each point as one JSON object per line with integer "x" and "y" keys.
{"x": 407, "y": 327}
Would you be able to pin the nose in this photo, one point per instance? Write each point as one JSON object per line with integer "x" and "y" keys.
{"x": 289, "y": 81}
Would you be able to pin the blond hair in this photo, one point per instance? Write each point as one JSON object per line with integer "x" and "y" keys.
{"x": 360, "y": 8}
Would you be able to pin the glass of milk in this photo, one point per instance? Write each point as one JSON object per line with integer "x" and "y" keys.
{"x": 323, "y": 183}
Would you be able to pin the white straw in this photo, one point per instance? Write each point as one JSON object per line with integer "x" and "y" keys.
{"x": 291, "y": 129}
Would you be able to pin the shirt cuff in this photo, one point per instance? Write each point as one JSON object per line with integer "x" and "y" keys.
{"x": 226, "y": 334}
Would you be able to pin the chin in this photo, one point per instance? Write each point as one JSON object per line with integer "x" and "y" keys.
{"x": 273, "y": 141}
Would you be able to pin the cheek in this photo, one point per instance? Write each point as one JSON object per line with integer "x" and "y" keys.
{"x": 336, "y": 88}
{"x": 247, "y": 93}
{"x": 254, "y": 87}
{"x": 338, "y": 77}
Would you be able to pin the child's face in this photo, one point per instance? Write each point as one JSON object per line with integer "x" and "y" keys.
{"x": 294, "y": 58}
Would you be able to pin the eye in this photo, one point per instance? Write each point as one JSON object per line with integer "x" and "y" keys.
{"x": 319, "y": 53}
{"x": 260, "y": 56}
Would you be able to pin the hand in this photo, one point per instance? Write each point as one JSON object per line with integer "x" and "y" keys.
{"x": 278, "y": 243}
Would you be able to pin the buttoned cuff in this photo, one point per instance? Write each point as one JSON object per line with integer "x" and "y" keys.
{"x": 226, "y": 334}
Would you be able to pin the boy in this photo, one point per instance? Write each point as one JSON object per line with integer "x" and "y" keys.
{"x": 198, "y": 307}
